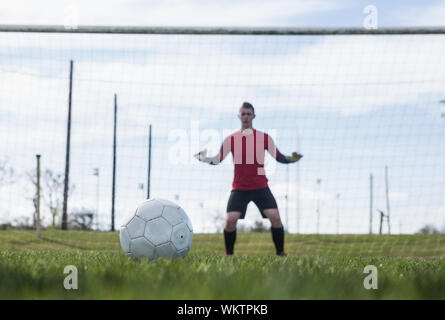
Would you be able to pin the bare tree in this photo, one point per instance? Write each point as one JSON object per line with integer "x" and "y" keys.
{"x": 82, "y": 219}
{"x": 52, "y": 192}
{"x": 22, "y": 223}
{"x": 6, "y": 172}
{"x": 31, "y": 194}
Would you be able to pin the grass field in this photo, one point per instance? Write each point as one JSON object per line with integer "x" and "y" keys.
{"x": 318, "y": 267}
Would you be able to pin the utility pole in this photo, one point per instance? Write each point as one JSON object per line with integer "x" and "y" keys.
{"x": 113, "y": 190}
{"x": 67, "y": 155}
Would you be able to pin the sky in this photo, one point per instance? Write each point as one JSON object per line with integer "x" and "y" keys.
{"x": 350, "y": 104}
{"x": 281, "y": 13}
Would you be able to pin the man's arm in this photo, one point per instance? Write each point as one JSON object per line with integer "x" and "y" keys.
{"x": 223, "y": 152}
{"x": 274, "y": 152}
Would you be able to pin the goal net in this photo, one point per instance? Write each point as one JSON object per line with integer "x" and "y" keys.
{"x": 366, "y": 110}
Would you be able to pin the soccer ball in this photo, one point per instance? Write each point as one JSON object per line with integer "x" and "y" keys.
{"x": 158, "y": 228}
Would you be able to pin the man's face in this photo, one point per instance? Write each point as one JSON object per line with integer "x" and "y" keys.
{"x": 246, "y": 116}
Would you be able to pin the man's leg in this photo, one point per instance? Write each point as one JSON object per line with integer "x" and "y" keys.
{"x": 230, "y": 230}
{"x": 276, "y": 229}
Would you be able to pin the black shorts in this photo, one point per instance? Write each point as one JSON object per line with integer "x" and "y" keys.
{"x": 239, "y": 199}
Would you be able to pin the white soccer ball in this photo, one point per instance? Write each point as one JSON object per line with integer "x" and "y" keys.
{"x": 158, "y": 228}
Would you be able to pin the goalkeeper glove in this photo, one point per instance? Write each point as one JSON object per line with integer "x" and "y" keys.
{"x": 294, "y": 157}
{"x": 202, "y": 156}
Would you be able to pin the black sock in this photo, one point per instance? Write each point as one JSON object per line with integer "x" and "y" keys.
{"x": 229, "y": 238}
{"x": 278, "y": 238}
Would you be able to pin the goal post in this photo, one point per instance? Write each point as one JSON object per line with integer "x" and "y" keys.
{"x": 220, "y": 30}
{"x": 357, "y": 103}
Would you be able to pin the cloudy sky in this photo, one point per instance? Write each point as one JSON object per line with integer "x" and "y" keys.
{"x": 224, "y": 13}
{"x": 351, "y": 104}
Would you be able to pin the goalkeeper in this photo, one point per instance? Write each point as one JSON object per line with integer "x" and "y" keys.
{"x": 250, "y": 183}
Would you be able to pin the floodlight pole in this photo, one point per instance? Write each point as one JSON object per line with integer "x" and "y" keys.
{"x": 113, "y": 190}
{"x": 67, "y": 155}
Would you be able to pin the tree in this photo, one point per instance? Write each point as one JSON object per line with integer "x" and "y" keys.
{"x": 82, "y": 219}
{"x": 429, "y": 229}
{"x": 6, "y": 172}
{"x": 52, "y": 191}
{"x": 32, "y": 178}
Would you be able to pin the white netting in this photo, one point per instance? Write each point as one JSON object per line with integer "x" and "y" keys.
{"x": 351, "y": 104}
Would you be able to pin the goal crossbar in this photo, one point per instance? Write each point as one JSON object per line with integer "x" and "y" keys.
{"x": 219, "y": 30}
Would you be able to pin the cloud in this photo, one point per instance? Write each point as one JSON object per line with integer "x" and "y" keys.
{"x": 344, "y": 74}
{"x": 431, "y": 15}
{"x": 166, "y": 13}
{"x": 398, "y": 196}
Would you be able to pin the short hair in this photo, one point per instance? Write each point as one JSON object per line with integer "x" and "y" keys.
{"x": 248, "y": 105}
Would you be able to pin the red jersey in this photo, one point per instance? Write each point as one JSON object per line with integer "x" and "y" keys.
{"x": 248, "y": 153}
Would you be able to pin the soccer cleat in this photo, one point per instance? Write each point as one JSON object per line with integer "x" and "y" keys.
{"x": 282, "y": 254}
{"x": 227, "y": 254}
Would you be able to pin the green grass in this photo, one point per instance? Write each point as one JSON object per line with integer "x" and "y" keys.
{"x": 318, "y": 267}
